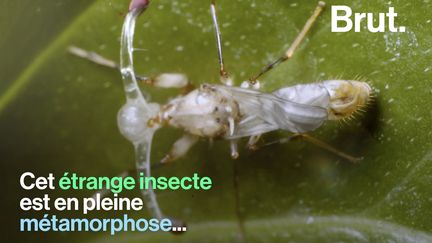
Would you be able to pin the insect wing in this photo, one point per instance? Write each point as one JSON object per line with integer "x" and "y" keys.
{"x": 315, "y": 94}
{"x": 303, "y": 118}
{"x": 264, "y": 112}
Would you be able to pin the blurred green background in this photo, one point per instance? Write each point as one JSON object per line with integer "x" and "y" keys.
{"x": 58, "y": 113}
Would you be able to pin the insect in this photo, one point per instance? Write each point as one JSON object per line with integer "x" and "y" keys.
{"x": 222, "y": 111}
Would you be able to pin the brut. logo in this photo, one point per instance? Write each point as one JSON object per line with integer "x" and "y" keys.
{"x": 347, "y": 24}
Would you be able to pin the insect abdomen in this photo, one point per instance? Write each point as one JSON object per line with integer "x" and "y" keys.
{"x": 346, "y": 97}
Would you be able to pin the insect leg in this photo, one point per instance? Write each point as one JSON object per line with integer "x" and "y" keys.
{"x": 320, "y": 144}
{"x": 330, "y": 148}
{"x": 224, "y": 76}
{"x": 180, "y": 148}
{"x": 252, "y": 143}
{"x": 164, "y": 80}
{"x": 234, "y": 149}
{"x": 92, "y": 57}
{"x": 290, "y": 52}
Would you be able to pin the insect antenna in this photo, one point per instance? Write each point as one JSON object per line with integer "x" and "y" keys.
{"x": 297, "y": 41}
{"x": 224, "y": 76}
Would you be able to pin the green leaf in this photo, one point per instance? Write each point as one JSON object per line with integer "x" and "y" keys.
{"x": 59, "y": 114}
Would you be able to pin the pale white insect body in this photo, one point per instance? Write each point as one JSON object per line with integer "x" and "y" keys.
{"x": 223, "y": 111}
{"x": 299, "y": 109}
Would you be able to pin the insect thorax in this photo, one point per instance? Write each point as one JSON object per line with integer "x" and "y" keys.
{"x": 204, "y": 112}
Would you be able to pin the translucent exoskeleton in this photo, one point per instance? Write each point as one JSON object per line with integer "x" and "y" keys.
{"x": 222, "y": 111}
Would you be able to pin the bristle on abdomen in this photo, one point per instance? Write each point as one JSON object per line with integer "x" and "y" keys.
{"x": 347, "y": 97}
